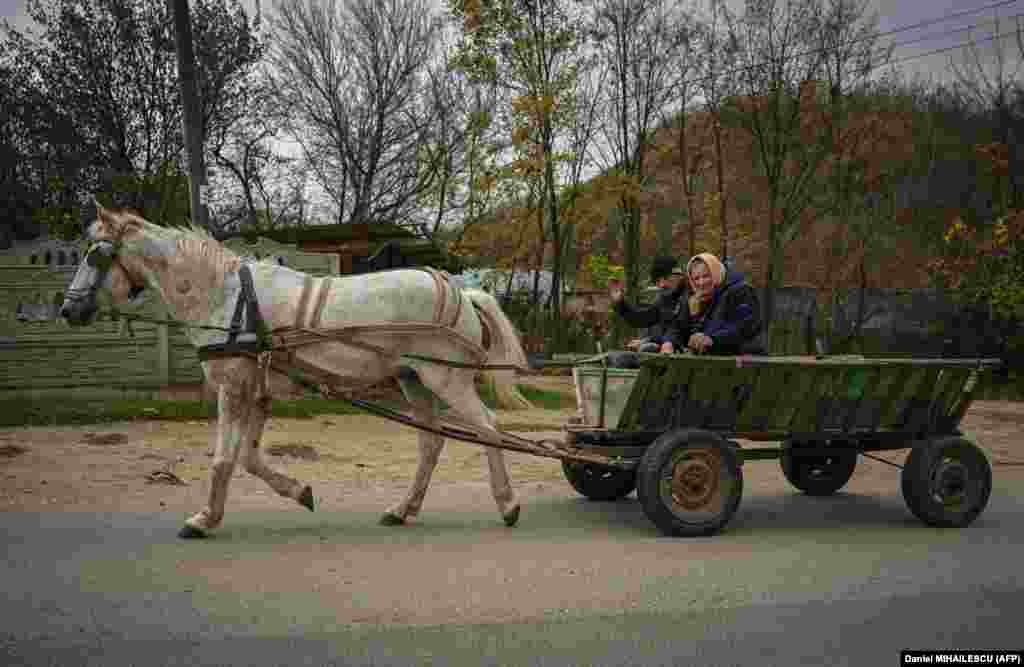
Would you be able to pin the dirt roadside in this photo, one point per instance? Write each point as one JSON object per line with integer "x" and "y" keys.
{"x": 105, "y": 467}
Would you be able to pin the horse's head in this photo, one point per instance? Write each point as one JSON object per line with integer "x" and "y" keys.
{"x": 103, "y": 271}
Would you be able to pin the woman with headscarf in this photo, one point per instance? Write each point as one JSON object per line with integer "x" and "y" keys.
{"x": 722, "y": 314}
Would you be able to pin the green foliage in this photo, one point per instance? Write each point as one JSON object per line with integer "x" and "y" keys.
{"x": 91, "y": 97}
{"x": 600, "y": 271}
{"x": 547, "y": 400}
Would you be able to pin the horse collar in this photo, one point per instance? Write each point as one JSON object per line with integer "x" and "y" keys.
{"x": 253, "y": 338}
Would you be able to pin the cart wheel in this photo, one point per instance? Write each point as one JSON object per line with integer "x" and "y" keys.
{"x": 817, "y": 475}
{"x": 599, "y": 482}
{"x": 947, "y": 482}
{"x": 689, "y": 483}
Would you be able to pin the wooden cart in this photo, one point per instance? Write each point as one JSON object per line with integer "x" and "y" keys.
{"x": 669, "y": 430}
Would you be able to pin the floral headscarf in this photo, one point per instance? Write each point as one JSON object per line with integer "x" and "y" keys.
{"x": 717, "y": 276}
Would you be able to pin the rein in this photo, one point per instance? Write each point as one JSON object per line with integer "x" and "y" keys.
{"x": 116, "y": 315}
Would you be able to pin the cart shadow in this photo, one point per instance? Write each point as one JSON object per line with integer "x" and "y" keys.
{"x": 764, "y": 514}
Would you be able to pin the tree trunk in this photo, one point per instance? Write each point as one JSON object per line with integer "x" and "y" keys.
{"x": 720, "y": 169}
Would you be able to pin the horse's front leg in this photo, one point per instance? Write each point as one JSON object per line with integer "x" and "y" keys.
{"x": 234, "y": 406}
{"x": 430, "y": 446}
{"x": 253, "y": 459}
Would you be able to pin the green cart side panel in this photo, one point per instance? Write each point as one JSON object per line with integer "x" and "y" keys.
{"x": 776, "y": 396}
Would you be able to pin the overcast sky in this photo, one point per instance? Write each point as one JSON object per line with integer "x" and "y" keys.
{"x": 893, "y": 15}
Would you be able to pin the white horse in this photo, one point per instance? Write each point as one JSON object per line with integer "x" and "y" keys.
{"x": 340, "y": 331}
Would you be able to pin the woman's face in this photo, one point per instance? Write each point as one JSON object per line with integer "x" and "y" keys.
{"x": 700, "y": 278}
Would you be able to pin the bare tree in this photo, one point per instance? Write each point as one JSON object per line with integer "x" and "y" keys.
{"x": 584, "y": 117}
{"x": 989, "y": 77}
{"x": 717, "y": 86}
{"x": 353, "y": 75}
{"x": 692, "y": 157}
{"x": 636, "y": 40}
{"x": 778, "y": 74}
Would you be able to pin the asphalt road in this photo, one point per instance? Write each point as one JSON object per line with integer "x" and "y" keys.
{"x": 850, "y": 580}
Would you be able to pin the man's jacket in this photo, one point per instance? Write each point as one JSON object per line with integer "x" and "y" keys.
{"x": 658, "y": 316}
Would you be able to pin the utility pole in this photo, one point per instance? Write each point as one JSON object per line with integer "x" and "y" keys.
{"x": 192, "y": 118}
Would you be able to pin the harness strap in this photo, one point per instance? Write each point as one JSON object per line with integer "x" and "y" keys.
{"x": 247, "y": 305}
{"x": 300, "y": 311}
{"x": 321, "y": 299}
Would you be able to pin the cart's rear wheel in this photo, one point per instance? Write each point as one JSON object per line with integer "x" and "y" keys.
{"x": 689, "y": 483}
{"x": 599, "y": 482}
{"x": 816, "y": 474}
{"x": 947, "y": 482}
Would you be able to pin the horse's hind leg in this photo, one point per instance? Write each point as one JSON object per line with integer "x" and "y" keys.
{"x": 284, "y": 486}
{"x": 234, "y": 408}
{"x": 456, "y": 388}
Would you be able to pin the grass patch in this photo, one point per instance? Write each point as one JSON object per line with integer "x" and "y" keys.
{"x": 70, "y": 412}
{"x": 541, "y": 398}
{"x": 16, "y": 412}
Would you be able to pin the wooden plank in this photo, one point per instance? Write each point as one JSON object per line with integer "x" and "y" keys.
{"x": 770, "y": 393}
{"x": 720, "y": 411}
{"x": 637, "y": 397}
{"x": 946, "y": 397}
{"x": 827, "y": 409}
{"x": 805, "y": 417}
{"x": 790, "y": 396}
{"x": 756, "y": 376}
{"x": 966, "y": 397}
{"x": 901, "y": 381}
{"x": 686, "y": 379}
{"x": 673, "y": 388}
{"x": 918, "y": 413}
{"x": 867, "y": 404}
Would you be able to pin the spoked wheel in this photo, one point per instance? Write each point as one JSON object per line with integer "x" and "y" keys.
{"x": 947, "y": 482}
{"x": 599, "y": 482}
{"x": 689, "y": 483}
{"x": 817, "y": 474}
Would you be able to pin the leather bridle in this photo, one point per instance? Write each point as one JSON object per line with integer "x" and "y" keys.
{"x": 101, "y": 256}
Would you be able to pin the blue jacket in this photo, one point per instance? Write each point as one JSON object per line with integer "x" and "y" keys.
{"x": 732, "y": 319}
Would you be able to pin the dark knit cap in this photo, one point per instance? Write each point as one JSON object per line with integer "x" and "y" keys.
{"x": 663, "y": 267}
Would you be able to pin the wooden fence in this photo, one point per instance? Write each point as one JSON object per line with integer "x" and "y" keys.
{"x": 41, "y": 356}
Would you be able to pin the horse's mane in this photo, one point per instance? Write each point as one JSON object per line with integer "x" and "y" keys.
{"x": 189, "y": 239}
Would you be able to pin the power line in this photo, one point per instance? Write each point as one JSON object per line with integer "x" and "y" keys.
{"x": 947, "y": 48}
{"x": 873, "y": 36}
{"x": 928, "y": 38}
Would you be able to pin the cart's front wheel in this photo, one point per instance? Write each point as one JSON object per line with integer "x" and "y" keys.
{"x": 947, "y": 482}
{"x": 689, "y": 483}
{"x": 599, "y": 482}
{"x": 816, "y": 474}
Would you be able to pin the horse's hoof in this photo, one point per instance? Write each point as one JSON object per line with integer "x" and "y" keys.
{"x": 511, "y": 518}
{"x": 190, "y": 533}
{"x": 390, "y": 519}
{"x": 306, "y": 498}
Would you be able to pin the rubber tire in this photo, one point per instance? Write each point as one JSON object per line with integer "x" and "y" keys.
{"x": 598, "y": 482}
{"x": 797, "y": 470}
{"x": 917, "y": 474}
{"x": 649, "y": 473}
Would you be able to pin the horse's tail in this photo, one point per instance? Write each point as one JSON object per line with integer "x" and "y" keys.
{"x": 505, "y": 349}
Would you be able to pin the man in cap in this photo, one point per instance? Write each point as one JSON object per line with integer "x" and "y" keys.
{"x": 667, "y": 276}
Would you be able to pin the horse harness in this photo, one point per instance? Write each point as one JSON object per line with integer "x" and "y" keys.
{"x": 248, "y": 335}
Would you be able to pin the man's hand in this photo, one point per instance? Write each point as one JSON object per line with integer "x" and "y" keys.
{"x": 667, "y": 348}
{"x": 700, "y": 343}
{"x": 634, "y": 344}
